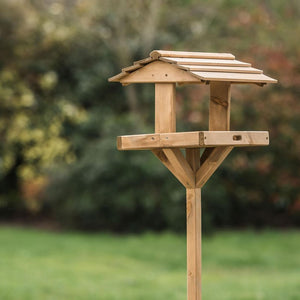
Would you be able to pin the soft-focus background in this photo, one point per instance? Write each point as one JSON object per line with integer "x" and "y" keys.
{"x": 60, "y": 170}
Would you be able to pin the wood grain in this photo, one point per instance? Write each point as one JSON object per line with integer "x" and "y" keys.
{"x": 193, "y": 225}
{"x": 157, "y": 71}
{"x": 234, "y": 77}
{"x": 165, "y": 161}
{"x": 132, "y": 68}
{"x": 144, "y": 61}
{"x": 205, "y": 62}
{"x": 211, "y": 163}
{"x": 193, "y": 218}
{"x": 193, "y": 68}
{"x": 193, "y": 139}
{"x": 181, "y": 166}
{"x": 193, "y": 158}
{"x": 219, "y": 106}
{"x": 155, "y": 54}
{"x": 165, "y": 114}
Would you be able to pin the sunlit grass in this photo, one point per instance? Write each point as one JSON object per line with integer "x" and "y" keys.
{"x": 236, "y": 265}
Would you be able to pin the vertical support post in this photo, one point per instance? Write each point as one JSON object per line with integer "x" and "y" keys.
{"x": 219, "y": 119}
{"x": 193, "y": 218}
{"x": 219, "y": 106}
{"x": 165, "y": 114}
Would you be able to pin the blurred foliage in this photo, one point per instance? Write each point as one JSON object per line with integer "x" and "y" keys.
{"x": 60, "y": 116}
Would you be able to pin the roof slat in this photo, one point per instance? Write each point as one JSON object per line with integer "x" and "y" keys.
{"x": 144, "y": 61}
{"x": 118, "y": 77}
{"x": 205, "y": 62}
{"x": 159, "y": 71}
{"x": 234, "y": 77}
{"x": 132, "y": 68}
{"x": 220, "y": 69}
{"x": 155, "y": 54}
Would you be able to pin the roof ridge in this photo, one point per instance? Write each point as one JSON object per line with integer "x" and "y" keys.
{"x": 156, "y": 54}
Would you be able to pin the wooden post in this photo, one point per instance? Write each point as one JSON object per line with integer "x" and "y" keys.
{"x": 165, "y": 115}
{"x": 219, "y": 119}
{"x": 193, "y": 226}
{"x": 219, "y": 106}
{"x": 193, "y": 217}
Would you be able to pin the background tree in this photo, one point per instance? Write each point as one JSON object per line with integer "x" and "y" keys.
{"x": 60, "y": 116}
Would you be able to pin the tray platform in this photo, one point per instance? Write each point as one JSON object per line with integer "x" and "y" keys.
{"x": 193, "y": 139}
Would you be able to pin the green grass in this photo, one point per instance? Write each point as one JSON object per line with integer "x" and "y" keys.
{"x": 236, "y": 265}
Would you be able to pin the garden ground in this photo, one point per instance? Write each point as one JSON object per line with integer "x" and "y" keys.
{"x": 243, "y": 265}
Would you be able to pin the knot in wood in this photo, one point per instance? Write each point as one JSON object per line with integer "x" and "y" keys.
{"x": 188, "y": 207}
{"x": 219, "y": 101}
{"x": 161, "y": 156}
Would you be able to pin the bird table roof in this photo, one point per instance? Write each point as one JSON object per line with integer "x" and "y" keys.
{"x": 191, "y": 67}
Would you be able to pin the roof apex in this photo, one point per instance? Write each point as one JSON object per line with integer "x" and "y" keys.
{"x": 156, "y": 54}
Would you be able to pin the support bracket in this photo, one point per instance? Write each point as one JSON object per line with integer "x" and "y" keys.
{"x": 210, "y": 164}
{"x": 174, "y": 160}
{"x": 188, "y": 170}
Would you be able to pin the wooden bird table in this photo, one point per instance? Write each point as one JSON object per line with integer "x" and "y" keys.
{"x": 220, "y": 70}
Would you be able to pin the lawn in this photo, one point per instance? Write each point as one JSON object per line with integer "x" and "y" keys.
{"x": 236, "y": 265}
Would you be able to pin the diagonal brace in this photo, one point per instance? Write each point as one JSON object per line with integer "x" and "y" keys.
{"x": 174, "y": 160}
{"x": 212, "y": 161}
{"x": 181, "y": 165}
{"x": 162, "y": 157}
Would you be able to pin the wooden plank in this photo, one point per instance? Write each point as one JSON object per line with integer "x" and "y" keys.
{"x": 117, "y": 77}
{"x": 138, "y": 142}
{"x": 205, "y": 62}
{"x": 165, "y": 161}
{"x": 212, "y": 162}
{"x": 193, "y": 158}
{"x": 165, "y": 114}
{"x": 193, "y": 218}
{"x": 219, "y": 119}
{"x": 180, "y": 139}
{"x": 144, "y": 61}
{"x": 193, "y": 139}
{"x": 235, "y": 138}
{"x": 219, "y": 106}
{"x": 132, "y": 68}
{"x": 159, "y": 71}
{"x": 181, "y": 166}
{"x": 155, "y": 54}
{"x": 206, "y": 153}
{"x": 234, "y": 77}
{"x": 248, "y": 70}
{"x": 152, "y": 141}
